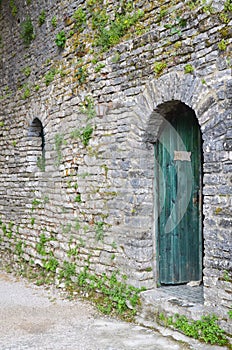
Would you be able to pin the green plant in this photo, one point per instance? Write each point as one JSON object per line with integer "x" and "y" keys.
{"x": 222, "y": 45}
{"x": 188, "y": 68}
{"x": 99, "y": 19}
{"x": 67, "y": 271}
{"x": 46, "y": 199}
{"x": 27, "y": 31}
{"x": 116, "y": 57}
{"x": 35, "y": 203}
{"x": 162, "y": 14}
{"x": 1, "y": 124}
{"x": 86, "y": 134}
{"x": 77, "y": 225}
{"x": 51, "y": 264}
{"x": 81, "y": 74}
{"x": 159, "y": 67}
{"x": 26, "y": 92}
{"x": 78, "y": 198}
{"x": 206, "y": 329}
{"x": 42, "y": 17}
{"x": 40, "y": 246}
{"x": 99, "y": 230}
{"x": 41, "y": 163}
{"x": 99, "y": 67}
{"x": 226, "y": 276}
{"x": 230, "y": 313}
{"x": 73, "y": 251}
{"x": 80, "y": 19}
{"x": 54, "y": 21}
{"x": 114, "y": 294}
{"x": 26, "y": 71}
{"x": 176, "y": 27}
{"x": 61, "y": 39}
{"x": 59, "y": 140}
{"x": 228, "y": 5}
{"x": 110, "y": 34}
{"x": 32, "y": 221}
{"x": 87, "y": 107}
{"x": 49, "y": 77}
{"x": 19, "y": 248}
{"x": 13, "y": 7}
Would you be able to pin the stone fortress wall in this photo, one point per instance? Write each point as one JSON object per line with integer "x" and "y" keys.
{"x": 83, "y": 85}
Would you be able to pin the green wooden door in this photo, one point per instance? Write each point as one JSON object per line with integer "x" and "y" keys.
{"x": 179, "y": 175}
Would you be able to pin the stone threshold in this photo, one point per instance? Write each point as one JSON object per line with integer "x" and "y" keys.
{"x": 170, "y": 300}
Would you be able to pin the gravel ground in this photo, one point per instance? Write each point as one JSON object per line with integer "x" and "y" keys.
{"x": 32, "y": 317}
{"x": 37, "y": 318}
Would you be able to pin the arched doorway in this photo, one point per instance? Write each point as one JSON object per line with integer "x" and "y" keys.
{"x": 179, "y": 196}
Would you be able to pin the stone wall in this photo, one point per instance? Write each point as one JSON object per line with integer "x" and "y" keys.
{"x": 79, "y": 180}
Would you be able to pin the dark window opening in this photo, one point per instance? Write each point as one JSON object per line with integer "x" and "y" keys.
{"x": 36, "y": 146}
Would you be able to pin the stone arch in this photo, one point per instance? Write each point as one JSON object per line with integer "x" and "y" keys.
{"x": 163, "y": 94}
{"x": 36, "y": 146}
{"x": 175, "y": 86}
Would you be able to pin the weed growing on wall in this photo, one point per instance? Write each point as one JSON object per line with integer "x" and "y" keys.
{"x": 188, "y": 69}
{"x": 13, "y": 7}
{"x": 49, "y": 77}
{"x": 99, "y": 230}
{"x": 61, "y": 39}
{"x": 80, "y": 19}
{"x": 54, "y": 21}
{"x": 59, "y": 140}
{"x": 27, "y": 31}
{"x": 159, "y": 67}
{"x": 26, "y": 71}
{"x": 84, "y": 134}
{"x": 111, "y": 34}
{"x": 206, "y": 329}
{"x": 41, "y": 163}
{"x": 81, "y": 74}
{"x": 176, "y": 26}
{"x": 230, "y": 313}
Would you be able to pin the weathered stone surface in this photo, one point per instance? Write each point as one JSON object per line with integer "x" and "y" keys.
{"x": 89, "y": 181}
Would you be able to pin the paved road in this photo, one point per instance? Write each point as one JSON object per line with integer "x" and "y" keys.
{"x": 34, "y": 318}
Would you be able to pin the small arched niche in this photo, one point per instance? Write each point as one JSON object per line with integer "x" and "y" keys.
{"x": 36, "y": 146}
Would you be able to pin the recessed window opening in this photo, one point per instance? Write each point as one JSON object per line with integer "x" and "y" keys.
{"x": 36, "y": 146}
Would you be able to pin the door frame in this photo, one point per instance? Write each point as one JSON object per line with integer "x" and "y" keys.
{"x": 156, "y": 206}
